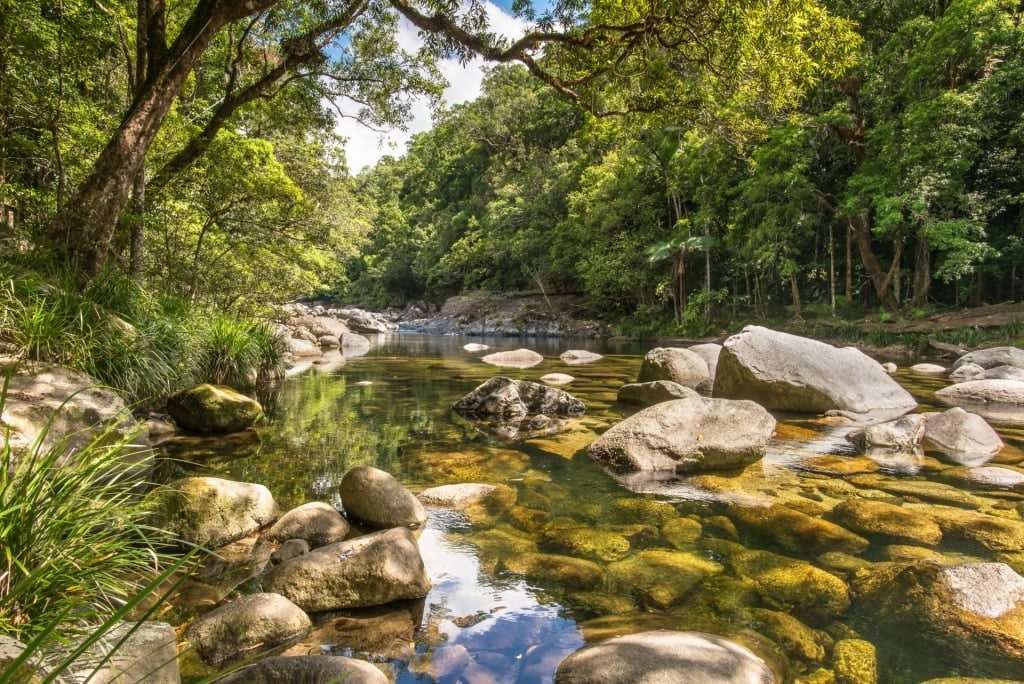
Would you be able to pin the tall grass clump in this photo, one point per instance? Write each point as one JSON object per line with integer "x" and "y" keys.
{"x": 240, "y": 352}
{"x": 76, "y": 557}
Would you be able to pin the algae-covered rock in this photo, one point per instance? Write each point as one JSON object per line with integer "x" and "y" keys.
{"x": 585, "y": 541}
{"x": 660, "y": 578}
{"x": 214, "y": 408}
{"x": 210, "y": 511}
{"x": 880, "y": 519}
{"x": 569, "y": 572}
{"x": 969, "y": 615}
{"x": 795, "y": 531}
{"x": 790, "y": 584}
{"x": 855, "y": 662}
{"x": 985, "y": 531}
{"x": 681, "y": 533}
{"x": 796, "y": 638}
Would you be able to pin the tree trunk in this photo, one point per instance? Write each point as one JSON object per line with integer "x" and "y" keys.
{"x": 798, "y": 312}
{"x": 881, "y": 280}
{"x": 83, "y": 228}
{"x": 849, "y": 262}
{"x": 138, "y": 231}
{"x": 922, "y": 273}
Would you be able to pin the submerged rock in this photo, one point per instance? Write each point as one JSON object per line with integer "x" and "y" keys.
{"x": 687, "y": 435}
{"x": 790, "y": 584}
{"x": 790, "y": 373}
{"x": 794, "y": 531}
{"x": 971, "y": 615}
{"x": 885, "y": 520}
{"x": 664, "y": 656}
{"x": 660, "y": 578}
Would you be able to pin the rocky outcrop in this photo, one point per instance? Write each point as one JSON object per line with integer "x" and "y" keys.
{"x": 63, "y": 406}
{"x": 676, "y": 364}
{"x": 790, "y": 373}
{"x": 366, "y": 571}
{"x": 664, "y": 656}
{"x": 214, "y": 408}
{"x": 970, "y": 615}
{"x": 375, "y": 498}
{"x": 496, "y": 315}
{"x": 502, "y": 398}
{"x": 687, "y": 435}
{"x": 247, "y": 625}
{"x": 211, "y": 511}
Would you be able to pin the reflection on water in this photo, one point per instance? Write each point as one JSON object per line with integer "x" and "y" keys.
{"x": 501, "y": 609}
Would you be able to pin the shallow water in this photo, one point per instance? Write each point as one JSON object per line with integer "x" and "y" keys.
{"x": 489, "y": 618}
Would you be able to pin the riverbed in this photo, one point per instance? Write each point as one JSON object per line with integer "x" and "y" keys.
{"x": 491, "y": 617}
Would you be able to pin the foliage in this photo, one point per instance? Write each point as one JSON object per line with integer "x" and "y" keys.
{"x": 239, "y": 353}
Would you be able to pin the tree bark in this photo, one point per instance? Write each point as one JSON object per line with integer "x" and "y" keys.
{"x": 922, "y": 273}
{"x": 881, "y": 280}
{"x": 83, "y": 228}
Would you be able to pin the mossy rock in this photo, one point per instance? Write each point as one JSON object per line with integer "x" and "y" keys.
{"x": 987, "y": 532}
{"x": 571, "y": 573}
{"x": 796, "y": 639}
{"x": 880, "y": 519}
{"x": 681, "y": 533}
{"x": 210, "y": 511}
{"x": 214, "y": 408}
{"x": 790, "y": 584}
{"x": 647, "y": 511}
{"x": 592, "y": 543}
{"x": 855, "y": 662}
{"x": 660, "y": 578}
{"x": 796, "y": 532}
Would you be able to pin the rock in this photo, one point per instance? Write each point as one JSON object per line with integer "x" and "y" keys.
{"x": 507, "y": 399}
{"x": 291, "y": 548}
{"x": 329, "y": 342}
{"x": 792, "y": 585}
{"x": 967, "y": 371}
{"x": 790, "y": 373}
{"x": 890, "y": 367}
{"x": 572, "y": 573}
{"x": 318, "y": 326}
{"x": 855, "y": 660}
{"x": 210, "y": 511}
{"x": 961, "y": 436}
{"x": 473, "y": 347}
{"x": 986, "y": 532}
{"x": 902, "y": 434}
{"x": 709, "y": 352}
{"x": 245, "y": 626}
{"x": 650, "y": 393}
{"x": 577, "y": 357}
{"x": 885, "y": 520}
{"x": 794, "y": 531}
{"x": 131, "y": 652}
{"x": 1004, "y": 373}
{"x": 984, "y": 477}
{"x": 300, "y": 347}
{"x": 990, "y": 358}
{"x": 214, "y": 408}
{"x": 459, "y": 496}
{"x": 676, "y": 364}
{"x": 660, "y": 578}
{"x": 371, "y": 570}
{"x": 686, "y": 435}
{"x": 928, "y": 369}
{"x": 65, "y": 406}
{"x": 557, "y": 379}
{"x": 377, "y": 499}
{"x": 681, "y": 533}
{"x": 983, "y": 392}
{"x": 316, "y": 522}
{"x": 793, "y": 635}
{"x": 970, "y": 615}
{"x": 664, "y": 656}
{"x": 599, "y": 544}
{"x": 354, "y": 344}
{"x": 318, "y": 669}
{"x": 520, "y": 358}
{"x": 30, "y": 672}
{"x": 362, "y": 321}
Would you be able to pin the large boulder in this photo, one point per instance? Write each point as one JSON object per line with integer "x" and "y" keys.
{"x": 313, "y": 669}
{"x": 970, "y": 615}
{"x": 370, "y": 570}
{"x": 790, "y": 373}
{"x": 214, "y": 408}
{"x": 502, "y": 398}
{"x": 687, "y": 435}
{"x": 961, "y": 436}
{"x": 316, "y": 522}
{"x": 990, "y": 358}
{"x": 375, "y": 498}
{"x": 709, "y": 351}
{"x": 664, "y": 656}
{"x": 245, "y": 626}
{"x": 63, "y": 406}
{"x": 676, "y": 364}
{"x": 211, "y": 512}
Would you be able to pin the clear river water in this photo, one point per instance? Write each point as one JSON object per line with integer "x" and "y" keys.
{"x": 500, "y": 612}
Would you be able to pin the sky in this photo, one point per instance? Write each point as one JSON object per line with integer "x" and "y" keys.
{"x": 364, "y": 147}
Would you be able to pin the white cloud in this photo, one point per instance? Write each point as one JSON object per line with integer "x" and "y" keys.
{"x": 364, "y": 147}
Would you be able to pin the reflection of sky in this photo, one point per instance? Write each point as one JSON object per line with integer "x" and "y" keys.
{"x": 531, "y": 635}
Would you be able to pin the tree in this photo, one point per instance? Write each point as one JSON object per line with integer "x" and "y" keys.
{"x": 758, "y": 53}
